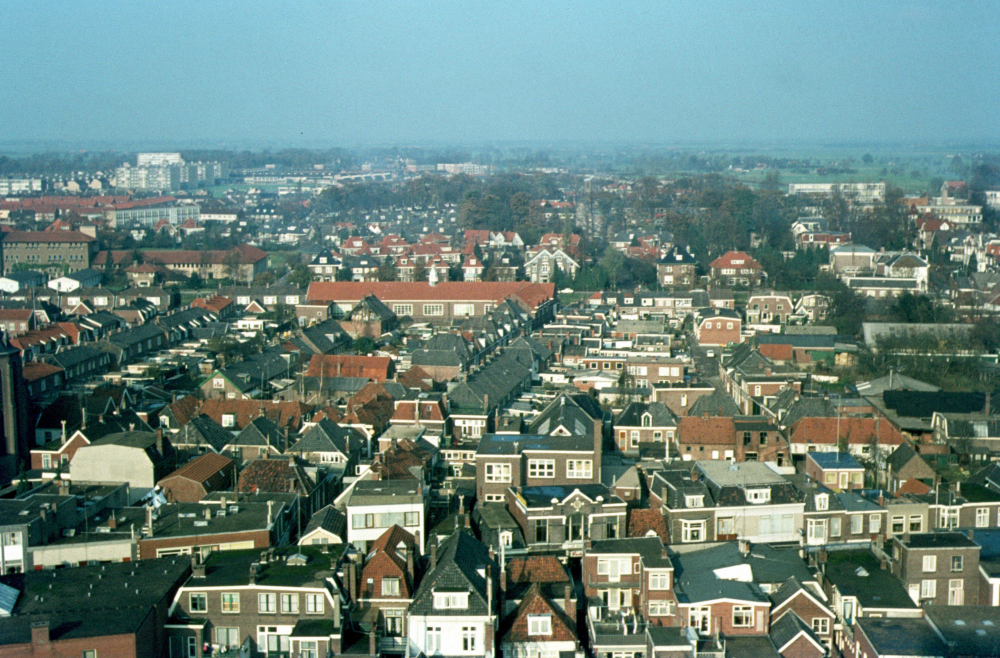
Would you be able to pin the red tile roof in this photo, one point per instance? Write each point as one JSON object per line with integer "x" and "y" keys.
{"x": 332, "y": 291}
{"x": 856, "y": 431}
{"x": 346, "y": 365}
{"x": 536, "y": 569}
{"x": 642, "y": 521}
{"x": 913, "y": 486}
{"x": 726, "y": 260}
{"x": 35, "y": 370}
{"x": 694, "y": 430}
{"x": 200, "y": 469}
{"x": 43, "y": 236}
{"x": 536, "y": 603}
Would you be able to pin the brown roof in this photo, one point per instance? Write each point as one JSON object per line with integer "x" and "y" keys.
{"x": 47, "y": 236}
{"x": 185, "y": 409}
{"x": 641, "y": 521}
{"x": 713, "y": 430}
{"x": 35, "y": 370}
{"x": 416, "y": 377}
{"x": 15, "y": 314}
{"x": 537, "y": 569}
{"x": 347, "y": 365}
{"x": 531, "y": 293}
{"x": 855, "y": 430}
{"x": 273, "y": 476}
{"x": 913, "y": 486}
{"x": 284, "y": 413}
{"x": 536, "y": 603}
{"x": 383, "y": 564}
{"x": 200, "y": 469}
{"x": 392, "y": 538}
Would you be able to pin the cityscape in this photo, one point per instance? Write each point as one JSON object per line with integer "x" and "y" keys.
{"x": 468, "y": 331}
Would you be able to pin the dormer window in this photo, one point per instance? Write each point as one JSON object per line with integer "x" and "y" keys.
{"x": 694, "y": 501}
{"x": 647, "y": 420}
{"x": 539, "y": 624}
{"x": 822, "y": 502}
{"x": 758, "y": 496}
{"x": 451, "y": 600}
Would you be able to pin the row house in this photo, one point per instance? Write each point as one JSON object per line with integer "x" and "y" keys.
{"x": 560, "y": 517}
{"x": 807, "y": 603}
{"x": 283, "y": 603}
{"x": 860, "y": 436}
{"x": 505, "y": 461}
{"x": 542, "y": 263}
{"x": 643, "y": 426}
{"x": 373, "y": 506}
{"x": 474, "y": 402}
{"x": 753, "y": 380}
{"x": 680, "y": 399}
{"x": 718, "y": 500}
{"x": 937, "y": 568}
{"x": 844, "y": 517}
{"x": 738, "y": 438}
{"x": 653, "y": 370}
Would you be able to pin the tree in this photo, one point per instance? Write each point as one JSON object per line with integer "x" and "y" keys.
{"x": 611, "y": 262}
{"x": 300, "y": 276}
{"x": 364, "y": 345}
{"x": 264, "y": 278}
{"x": 867, "y": 158}
{"x": 387, "y": 270}
{"x": 420, "y": 272}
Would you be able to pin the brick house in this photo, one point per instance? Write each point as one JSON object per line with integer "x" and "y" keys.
{"x": 521, "y": 460}
{"x": 736, "y": 268}
{"x": 768, "y": 306}
{"x": 676, "y": 269}
{"x": 795, "y": 598}
{"x": 278, "y": 599}
{"x": 559, "y": 518}
{"x": 645, "y": 424}
{"x": 837, "y": 470}
{"x": 539, "y": 625}
{"x": 939, "y": 568}
{"x": 198, "y": 478}
{"x": 706, "y": 437}
{"x": 382, "y": 586}
{"x": 377, "y": 368}
{"x": 717, "y": 326}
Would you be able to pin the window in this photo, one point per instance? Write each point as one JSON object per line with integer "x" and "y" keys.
{"x": 433, "y": 639}
{"x": 816, "y": 529}
{"x": 90, "y": 653}
{"x": 541, "y": 468}
{"x": 835, "y": 526}
{"x": 433, "y": 309}
{"x": 948, "y": 518}
{"x": 267, "y": 603}
{"x": 361, "y": 521}
{"x": 314, "y": 604}
{"x": 726, "y": 527}
{"x": 218, "y": 382}
{"x": 982, "y": 517}
{"x": 874, "y": 523}
{"x": 661, "y": 608}
{"x": 579, "y": 469}
{"x": 227, "y": 636}
{"x": 541, "y": 530}
{"x": 898, "y": 524}
{"x": 659, "y": 581}
{"x": 857, "y": 524}
{"x": 199, "y": 602}
{"x": 411, "y": 519}
{"x": 464, "y": 310}
{"x": 46, "y": 461}
{"x": 821, "y": 625}
{"x": 390, "y": 587}
{"x": 916, "y": 523}
{"x": 758, "y": 496}
{"x": 468, "y": 638}
{"x": 928, "y": 589}
{"x": 451, "y": 600}
{"x": 539, "y": 624}
{"x": 402, "y": 309}
{"x": 956, "y": 562}
{"x": 692, "y": 531}
{"x": 494, "y": 498}
{"x": 231, "y": 602}
{"x": 290, "y": 603}
{"x": 930, "y": 563}
{"x": 822, "y": 502}
{"x": 498, "y": 472}
{"x": 307, "y": 649}
{"x": 694, "y": 501}
{"x": 742, "y": 616}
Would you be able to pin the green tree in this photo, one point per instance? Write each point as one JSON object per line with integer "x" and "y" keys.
{"x": 420, "y": 272}
{"x": 300, "y": 276}
{"x": 612, "y": 262}
{"x": 364, "y": 345}
{"x": 387, "y": 270}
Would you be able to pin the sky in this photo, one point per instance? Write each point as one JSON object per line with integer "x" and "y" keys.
{"x": 469, "y": 72}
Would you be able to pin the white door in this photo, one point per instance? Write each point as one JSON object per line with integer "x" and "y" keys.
{"x": 956, "y": 592}
{"x": 844, "y": 480}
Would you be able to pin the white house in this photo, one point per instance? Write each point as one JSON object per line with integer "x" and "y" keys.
{"x": 376, "y": 505}
{"x": 87, "y": 278}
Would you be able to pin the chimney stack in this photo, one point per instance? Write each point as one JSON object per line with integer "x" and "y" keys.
{"x": 352, "y": 581}
{"x": 569, "y": 607}
{"x": 149, "y": 520}
{"x": 409, "y": 564}
{"x": 159, "y": 441}
{"x": 63, "y": 421}
{"x": 40, "y": 632}
{"x": 372, "y": 645}
{"x": 112, "y": 521}
{"x": 434, "y": 553}
{"x": 197, "y": 568}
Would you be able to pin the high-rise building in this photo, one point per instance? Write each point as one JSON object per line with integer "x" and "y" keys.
{"x": 158, "y": 159}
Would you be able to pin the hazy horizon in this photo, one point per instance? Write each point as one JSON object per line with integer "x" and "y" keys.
{"x": 228, "y": 75}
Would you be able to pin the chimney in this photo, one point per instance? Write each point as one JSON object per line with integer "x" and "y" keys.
{"x": 149, "y": 520}
{"x": 63, "y": 421}
{"x": 40, "y": 632}
{"x": 372, "y": 646}
{"x": 987, "y": 409}
{"x": 352, "y": 581}
{"x": 208, "y": 514}
{"x": 409, "y": 564}
{"x": 270, "y": 515}
{"x": 197, "y": 568}
{"x": 159, "y": 441}
{"x": 253, "y": 573}
{"x": 112, "y": 521}
{"x": 434, "y": 554}
{"x": 569, "y": 607}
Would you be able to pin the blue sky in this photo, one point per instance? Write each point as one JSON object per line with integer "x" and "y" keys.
{"x": 479, "y": 72}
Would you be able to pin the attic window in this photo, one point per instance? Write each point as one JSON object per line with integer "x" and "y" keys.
{"x": 539, "y": 624}
{"x": 822, "y": 502}
{"x": 694, "y": 501}
{"x": 758, "y": 496}
{"x": 451, "y": 600}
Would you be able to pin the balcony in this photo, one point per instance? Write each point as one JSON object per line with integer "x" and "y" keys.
{"x": 618, "y": 628}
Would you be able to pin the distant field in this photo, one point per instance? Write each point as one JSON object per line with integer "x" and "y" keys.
{"x": 871, "y": 174}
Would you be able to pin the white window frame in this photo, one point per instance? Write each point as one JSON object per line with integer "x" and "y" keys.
{"x": 434, "y": 310}
{"x": 821, "y": 625}
{"x": 497, "y": 472}
{"x": 928, "y": 589}
{"x": 982, "y": 517}
{"x": 579, "y": 469}
{"x": 539, "y": 624}
{"x": 692, "y": 531}
{"x": 542, "y": 468}
{"x": 659, "y": 581}
{"x": 745, "y": 614}
{"x": 929, "y": 564}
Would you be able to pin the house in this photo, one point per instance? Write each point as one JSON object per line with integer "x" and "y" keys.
{"x": 858, "y": 587}
{"x": 939, "y": 568}
{"x": 717, "y": 594}
{"x": 63, "y": 621}
{"x": 198, "y": 478}
{"x": 837, "y": 470}
{"x": 326, "y": 442}
{"x": 560, "y": 518}
{"x": 649, "y": 426}
{"x": 809, "y": 605}
{"x": 714, "y": 326}
{"x": 718, "y": 500}
{"x": 13, "y": 283}
{"x": 879, "y": 637}
{"x": 85, "y": 278}
{"x": 768, "y": 307}
{"x": 736, "y": 268}
{"x": 540, "y": 626}
{"x": 676, "y": 269}
{"x": 139, "y": 458}
{"x": 373, "y": 506}
{"x": 277, "y": 600}
{"x": 542, "y": 262}
{"x": 377, "y": 368}
{"x": 16, "y": 321}
{"x": 862, "y": 437}
{"x": 328, "y": 525}
{"x": 454, "y": 610}
{"x": 382, "y": 586}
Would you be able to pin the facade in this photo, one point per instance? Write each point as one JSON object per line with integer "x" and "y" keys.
{"x": 560, "y": 518}
{"x": 541, "y": 264}
{"x": 940, "y": 568}
{"x": 769, "y": 307}
{"x": 713, "y": 326}
{"x": 863, "y": 193}
{"x": 736, "y": 268}
{"x": 374, "y": 506}
{"x": 676, "y": 269}
{"x": 47, "y": 251}
{"x": 649, "y": 425}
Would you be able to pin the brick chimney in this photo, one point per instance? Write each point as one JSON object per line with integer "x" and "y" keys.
{"x": 409, "y": 564}
{"x": 159, "y": 441}
{"x": 372, "y": 643}
{"x": 352, "y": 581}
{"x": 434, "y": 554}
{"x": 40, "y": 632}
{"x": 569, "y": 606}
